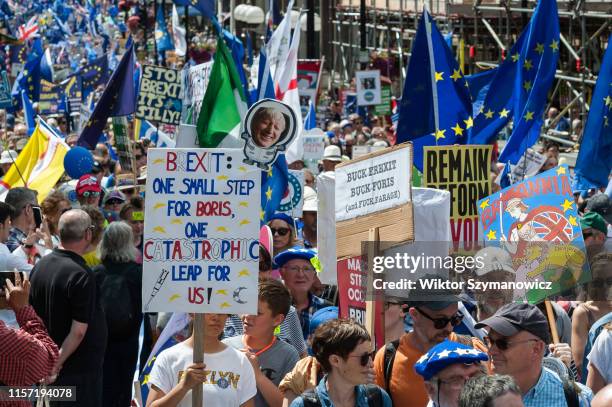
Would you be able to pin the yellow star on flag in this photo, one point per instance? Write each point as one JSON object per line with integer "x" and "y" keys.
{"x": 269, "y": 193}
{"x": 438, "y": 134}
{"x": 560, "y": 170}
{"x": 504, "y": 113}
{"x": 554, "y": 45}
{"x": 515, "y": 57}
{"x": 439, "y": 76}
{"x": 484, "y": 204}
{"x": 608, "y": 101}
{"x": 456, "y": 75}
{"x": 270, "y": 172}
{"x": 528, "y": 116}
{"x": 572, "y": 221}
{"x": 491, "y": 235}
{"x": 489, "y": 114}
{"x": 482, "y": 108}
{"x": 527, "y": 64}
{"x": 539, "y": 48}
{"x": 567, "y": 204}
{"x": 527, "y": 85}
{"x": 469, "y": 122}
{"x": 262, "y": 214}
{"x": 458, "y": 130}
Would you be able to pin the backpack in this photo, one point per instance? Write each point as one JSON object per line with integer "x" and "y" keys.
{"x": 310, "y": 397}
{"x": 118, "y": 305}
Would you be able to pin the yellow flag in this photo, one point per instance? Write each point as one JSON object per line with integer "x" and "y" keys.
{"x": 40, "y": 164}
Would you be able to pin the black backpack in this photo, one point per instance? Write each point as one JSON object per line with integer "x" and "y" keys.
{"x": 117, "y": 303}
{"x": 375, "y": 399}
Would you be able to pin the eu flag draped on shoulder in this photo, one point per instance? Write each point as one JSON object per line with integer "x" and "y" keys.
{"x": 594, "y": 161}
{"x": 520, "y": 87}
{"x": 435, "y": 109}
{"x": 118, "y": 99}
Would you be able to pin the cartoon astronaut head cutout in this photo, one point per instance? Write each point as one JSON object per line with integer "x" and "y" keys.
{"x": 268, "y": 129}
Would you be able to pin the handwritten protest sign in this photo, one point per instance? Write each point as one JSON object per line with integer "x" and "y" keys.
{"x": 160, "y": 95}
{"x": 201, "y": 249}
{"x": 197, "y": 80}
{"x": 464, "y": 172}
{"x": 536, "y": 222}
{"x": 314, "y": 147}
{"x": 122, "y": 144}
{"x": 5, "y": 92}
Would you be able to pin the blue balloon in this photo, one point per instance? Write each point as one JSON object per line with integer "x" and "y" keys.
{"x": 78, "y": 162}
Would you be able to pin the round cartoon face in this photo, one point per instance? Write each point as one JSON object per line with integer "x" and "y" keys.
{"x": 267, "y": 127}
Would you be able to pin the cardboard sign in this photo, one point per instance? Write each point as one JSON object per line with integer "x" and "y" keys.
{"x": 293, "y": 200}
{"x": 160, "y": 95}
{"x": 52, "y": 98}
{"x": 384, "y": 108}
{"x": 326, "y": 226}
{"x": 197, "y": 80}
{"x": 537, "y": 223}
{"x": 464, "y": 172}
{"x": 201, "y": 248}
{"x": 314, "y": 147}
{"x": 122, "y": 144}
{"x": 374, "y": 191}
{"x": 5, "y": 92}
{"x": 368, "y": 88}
{"x": 528, "y": 166}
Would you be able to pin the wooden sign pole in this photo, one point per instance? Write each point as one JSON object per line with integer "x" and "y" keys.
{"x": 552, "y": 322}
{"x": 198, "y": 356}
{"x": 370, "y": 316}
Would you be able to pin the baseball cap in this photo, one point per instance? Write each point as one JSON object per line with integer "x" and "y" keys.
{"x": 87, "y": 183}
{"x": 512, "y": 318}
{"x": 593, "y": 220}
{"x": 332, "y": 153}
{"x": 310, "y": 200}
{"x": 114, "y": 194}
{"x": 602, "y": 205}
{"x": 445, "y": 354}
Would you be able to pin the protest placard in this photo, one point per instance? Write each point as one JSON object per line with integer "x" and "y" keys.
{"x": 368, "y": 88}
{"x": 197, "y": 80}
{"x": 293, "y": 200}
{"x": 52, "y": 98}
{"x": 159, "y": 98}
{"x": 314, "y": 147}
{"x": 5, "y": 92}
{"x": 351, "y": 289}
{"x": 374, "y": 192}
{"x": 122, "y": 144}
{"x": 384, "y": 108}
{"x": 528, "y": 166}
{"x": 537, "y": 223}
{"x": 201, "y": 248}
{"x": 360, "y": 151}
{"x": 464, "y": 172}
{"x": 72, "y": 89}
{"x": 308, "y": 75}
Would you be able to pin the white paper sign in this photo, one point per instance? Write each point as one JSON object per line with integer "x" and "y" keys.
{"x": 373, "y": 185}
{"x": 368, "y": 87}
{"x": 360, "y": 151}
{"x": 326, "y": 227}
{"x": 314, "y": 147}
{"x": 198, "y": 82}
{"x": 528, "y": 166}
{"x": 201, "y": 249}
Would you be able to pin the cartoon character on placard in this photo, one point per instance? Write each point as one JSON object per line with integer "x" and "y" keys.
{"x": 268, "y": 129}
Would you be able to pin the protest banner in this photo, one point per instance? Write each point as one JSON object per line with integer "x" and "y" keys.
{"x": 201, "y": 248}
{"x": 197, "y": 82}
{"x": 368, "y": 88}
{"x": 314, "y": 147}
{"x": 464, "y": 172}
{"x": 293, "y": 200}
{"x": 5, "y": 92}
{"x": 122, "y": 144}
{"x": 528, "y": 166}
{"x": 360, "y": 151}
{"x": 536, "y": 222}
{"x": 73, "y": 94}
{"x": 52, "y": 98}
{"x": 384, "y": 108}
{"x": 308, "y": 76}
{"x": 160, "y": 96}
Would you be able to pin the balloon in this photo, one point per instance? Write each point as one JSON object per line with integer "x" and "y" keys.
{"x": 78, "y": 162}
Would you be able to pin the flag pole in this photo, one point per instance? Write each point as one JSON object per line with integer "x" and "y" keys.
{"x": 187, "y": 33}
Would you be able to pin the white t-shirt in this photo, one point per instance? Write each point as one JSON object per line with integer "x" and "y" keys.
{"x": 230, "y": 380}
{"x": 600, "y": 355}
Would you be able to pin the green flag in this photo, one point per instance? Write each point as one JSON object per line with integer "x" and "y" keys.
{"x": 224, "y": 103}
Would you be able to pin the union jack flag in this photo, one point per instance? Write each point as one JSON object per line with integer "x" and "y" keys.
{"x": 552, "y": 226}
{"x": 29, "y": 29}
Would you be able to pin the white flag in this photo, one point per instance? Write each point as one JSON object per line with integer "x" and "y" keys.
{"x": 178, "y": 34}
{"x": 277, "y": 47}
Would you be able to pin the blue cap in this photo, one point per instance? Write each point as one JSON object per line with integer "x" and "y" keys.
{"x": 294, "y": 253}
{"x": 284, "y": 217}
{"x": 444, "y": 354}
{"x": 322, "y": 315}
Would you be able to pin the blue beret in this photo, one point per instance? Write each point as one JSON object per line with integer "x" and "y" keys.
{"x": 284, "y": 217}
{"x": 444, "y": 354}
{"x": 322, "y": 315}
{"x": 294, "y": 253}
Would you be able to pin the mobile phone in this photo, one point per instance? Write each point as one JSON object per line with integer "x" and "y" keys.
{"x": 10, "y": 275}
{"x": 37, "y": 216}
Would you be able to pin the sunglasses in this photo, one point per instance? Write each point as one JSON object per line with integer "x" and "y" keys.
{"x": 440, "y": 323}
{"x": 114, "y": 202}
{"x": 365, "y": 358}
{"x": 503, "y": 343}
{"x": 87, "y": 194}
{"x": 280, "y": 231}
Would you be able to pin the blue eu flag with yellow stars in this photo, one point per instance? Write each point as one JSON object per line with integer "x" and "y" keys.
{"x": 520, "y": 87}
{"x": 162, "y": 37}
{"x": 273, "y": 187}
{"x": 94, "y": 74}
{"x": 594, "y": 161}
{"x": 436, "y": 108}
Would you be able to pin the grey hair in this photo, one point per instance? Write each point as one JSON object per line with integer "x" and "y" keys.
{"x": 269, "y": 112}
{"x": 118, "y": 243}
{"x": 73, "y": 225}
{"x": 481, "y": 391}
{"x": 19, "y": 198}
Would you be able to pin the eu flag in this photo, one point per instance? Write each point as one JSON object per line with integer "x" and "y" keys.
{"x": 273, "y": 186}
{"x": 162, "y": 37}
{"x": 28, "y": 80}
{"x": 594, "y": 161}
{"x": 118, "y": 99}
{"x": 205, "y": 7}
{"x": 521, "y": 85}
{"x": 435, "y": 108}
{"x": 94, "y": 74}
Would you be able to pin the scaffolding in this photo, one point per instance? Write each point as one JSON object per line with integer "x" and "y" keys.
{"x": 482, "y": 32}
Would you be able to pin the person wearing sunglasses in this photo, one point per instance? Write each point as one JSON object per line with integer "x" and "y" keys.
{"x": 445, "y": 368}
{"x": 343, "y": 349}
{"x": 88, "y": 190}
{"x": 434, "y": 315}
{"x": 517, "y": 341}
{"x": 283, "y": 232}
